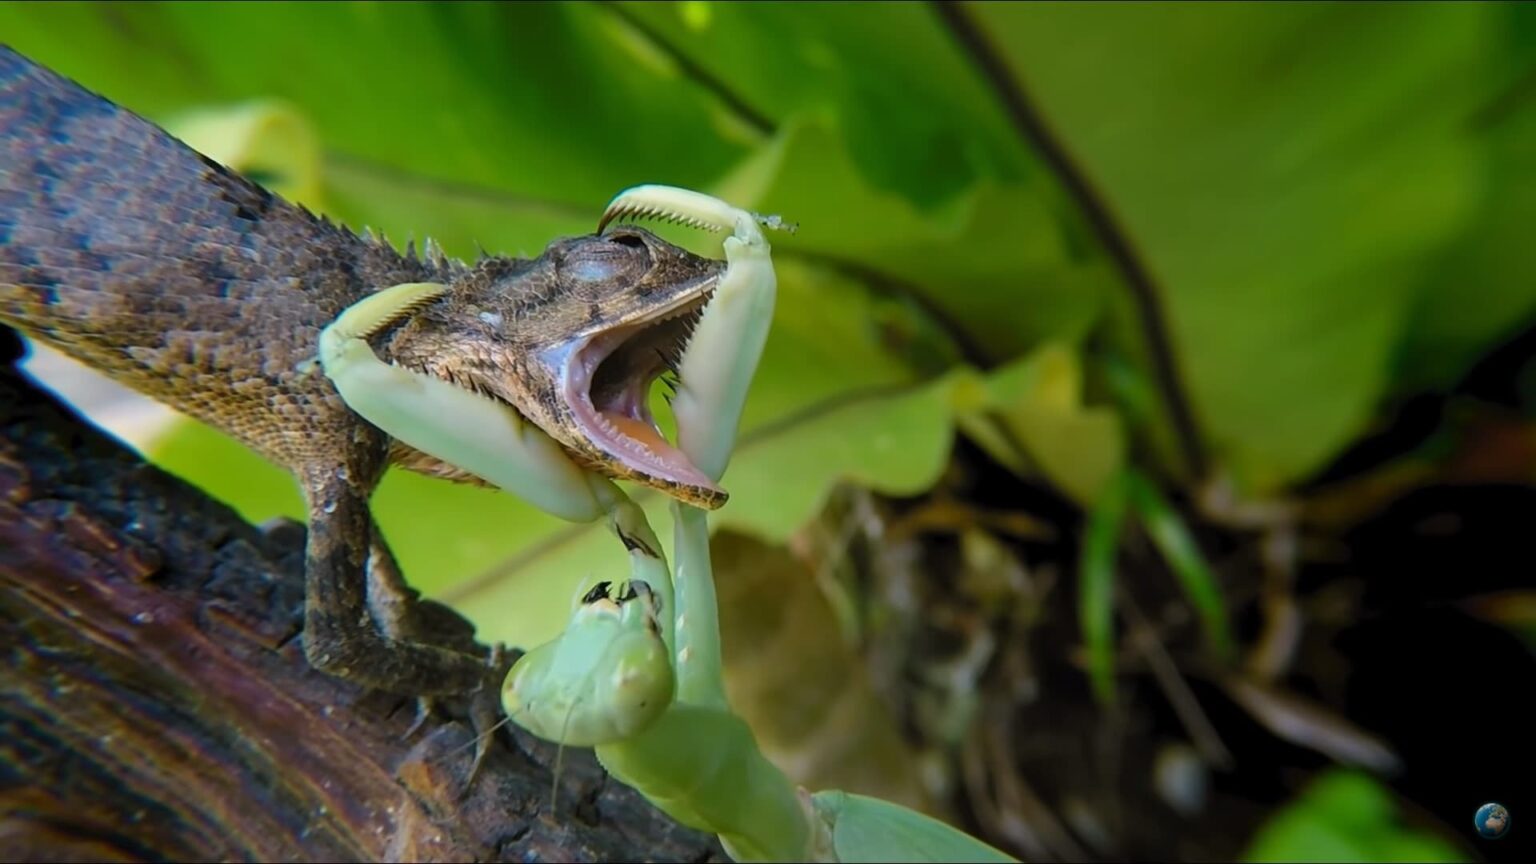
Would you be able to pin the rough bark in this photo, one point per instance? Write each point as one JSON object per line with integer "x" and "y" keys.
{"x": 155, "y": 703}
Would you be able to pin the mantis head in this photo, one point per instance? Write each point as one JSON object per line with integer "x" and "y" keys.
{"x": 605, "y": 679}
{"x": 573, "y": 340}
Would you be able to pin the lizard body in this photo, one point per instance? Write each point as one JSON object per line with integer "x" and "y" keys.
{"x": 131, "y": 252}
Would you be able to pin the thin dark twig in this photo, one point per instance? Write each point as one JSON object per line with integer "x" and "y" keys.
{"x": 1196, "y": 722}
{"x": 886, "y": 285}
{"x": 1031, "y": 125}
{"x": 698, "y": 74}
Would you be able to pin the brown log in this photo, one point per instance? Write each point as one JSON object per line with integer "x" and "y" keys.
{"x": 155, "y": 703}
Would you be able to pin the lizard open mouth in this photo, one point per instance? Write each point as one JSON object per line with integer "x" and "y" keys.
{"x": 607, "y": 380}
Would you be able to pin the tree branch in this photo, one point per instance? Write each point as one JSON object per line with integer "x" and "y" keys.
{"x": 156, "y": 703}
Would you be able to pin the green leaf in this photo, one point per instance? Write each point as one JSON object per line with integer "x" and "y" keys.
{"x": 533, "y": 98}
{"x": 1345, "y": 816}
{"x": 995, "y": 260}
{"x": 1037, "y": 401}
{"x": 1177, "y": 545}
{"x": 1287, "y": 171}
{"x": 918, "y": 123}
{"x": 1480, "y": 291}
{"x": 1096, "y": 571}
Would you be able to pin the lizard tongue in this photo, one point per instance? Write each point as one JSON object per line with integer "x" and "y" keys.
{"x": 642, "y": 433}
{"x": 616, "y": 417}
{"x": 635, "y": 441}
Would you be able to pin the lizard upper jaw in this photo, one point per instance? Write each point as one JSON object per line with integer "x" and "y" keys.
{"x": 605, "y": 379}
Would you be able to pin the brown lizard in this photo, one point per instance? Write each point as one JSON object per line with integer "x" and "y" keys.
{"x": 128, "y": 250}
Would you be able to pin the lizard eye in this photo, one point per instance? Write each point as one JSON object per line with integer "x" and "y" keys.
{"x": 603, "y": 261}
{"x": 591, "y": 269}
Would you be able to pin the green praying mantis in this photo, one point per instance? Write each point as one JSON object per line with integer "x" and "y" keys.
{"x": 637, "y": 672}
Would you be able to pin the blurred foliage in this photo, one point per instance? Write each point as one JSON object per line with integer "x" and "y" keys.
{"x": 1345, "y": 816}
{"x": 1331, "y": 200}
{"x": 1299, "y": 178}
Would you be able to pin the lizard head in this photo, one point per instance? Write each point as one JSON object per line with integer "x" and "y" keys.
{"x": 573, "y": 340}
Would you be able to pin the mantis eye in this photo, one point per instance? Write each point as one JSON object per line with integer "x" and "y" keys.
{"x": 599, "y": 591}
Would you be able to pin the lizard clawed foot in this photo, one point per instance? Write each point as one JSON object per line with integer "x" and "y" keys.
{"x": 425, "y": 705}
{"x": 484, "y": 709}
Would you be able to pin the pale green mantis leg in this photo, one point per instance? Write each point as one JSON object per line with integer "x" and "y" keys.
{"x": 722, "y": 783}
{"x": 486, "y": 438}
{"x": 714, "y": 377}
{"x": 608, "y": 680}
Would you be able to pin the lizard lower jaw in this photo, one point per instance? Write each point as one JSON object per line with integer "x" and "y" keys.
{"x": 606, "y": 381}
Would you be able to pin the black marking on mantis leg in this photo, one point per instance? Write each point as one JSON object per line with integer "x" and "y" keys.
{"x": 600, "y": 591}
{"x": 633, "y": 544}
{"x": 638, "y": 589}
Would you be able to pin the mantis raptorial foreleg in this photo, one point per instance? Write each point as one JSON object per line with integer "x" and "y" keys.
{"x": 482, "y": 436}
{"x": 485, "y": 437}
{"x": 695, "y": 759}
{"x": 714, "y": 376}
{"x": 598, "y": 682}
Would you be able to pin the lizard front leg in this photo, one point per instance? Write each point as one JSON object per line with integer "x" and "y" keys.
{"x": 466, "y": 429}
{"x": 400, "y": 611}
{"x": 341, "y": 637}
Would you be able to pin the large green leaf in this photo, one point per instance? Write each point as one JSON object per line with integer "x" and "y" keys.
{"x": 919, "y": 124}
{"x": 1286, "y": 170}
{"x": 1482, "y": 290}
{"x": 536, "y": 98}
{"x": 893, "y": 157}
{"x": 1311, "y": 185}
{"x": 996, "y": 262}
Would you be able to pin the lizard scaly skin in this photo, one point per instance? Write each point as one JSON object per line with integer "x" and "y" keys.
{"x": 126, "y": 249}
